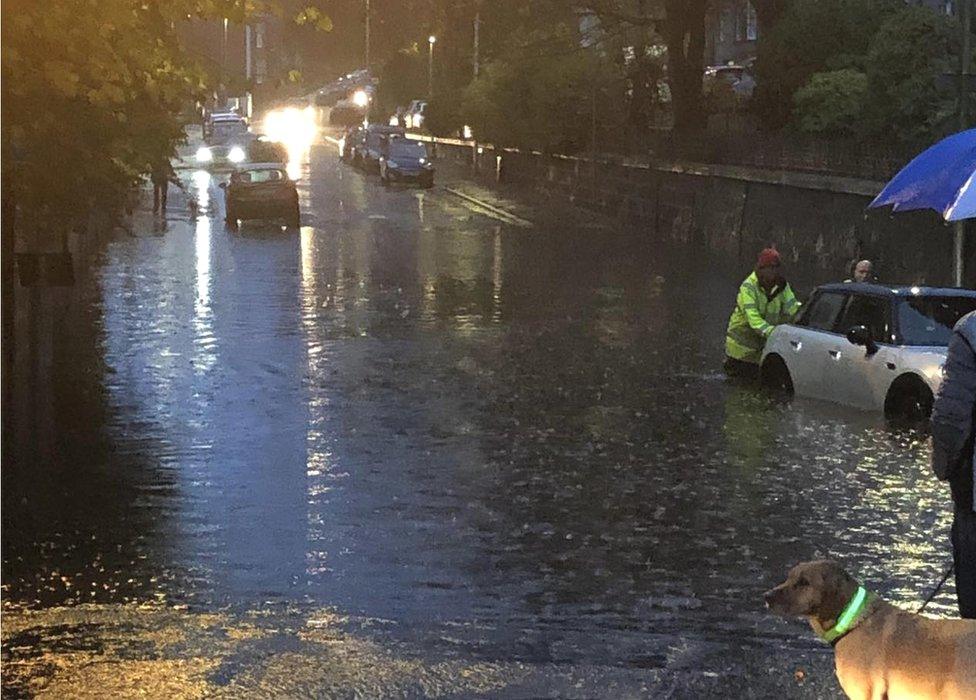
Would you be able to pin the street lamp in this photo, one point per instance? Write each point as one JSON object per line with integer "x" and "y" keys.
{"x": 430, "y": 66}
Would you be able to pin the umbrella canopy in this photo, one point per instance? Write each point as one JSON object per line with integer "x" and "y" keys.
{"x": 942, "y": 178}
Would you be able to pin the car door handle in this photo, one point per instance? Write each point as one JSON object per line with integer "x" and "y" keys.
{"x": 834, "y": 354}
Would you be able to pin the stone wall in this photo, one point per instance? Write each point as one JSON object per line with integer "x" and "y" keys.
{"x": 820, "y": 223}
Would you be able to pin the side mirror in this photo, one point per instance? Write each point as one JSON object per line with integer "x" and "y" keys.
{"x": 861, "y": 335}
{"x": 222, "y": 185}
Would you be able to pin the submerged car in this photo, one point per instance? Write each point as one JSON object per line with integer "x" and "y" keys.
{"x": 868, "y": 346}
{"x": 261, "y": 191}
{"x": 405, "y": 160}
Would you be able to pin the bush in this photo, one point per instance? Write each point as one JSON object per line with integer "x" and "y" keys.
{"x": 831, "y": 102}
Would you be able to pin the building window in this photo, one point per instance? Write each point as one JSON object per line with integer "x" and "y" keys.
{"x": 726, "y": 26}
{"x": 745, "y": 21}
{"x": 751, "y": 31}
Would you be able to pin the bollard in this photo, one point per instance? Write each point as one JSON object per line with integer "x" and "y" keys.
{"x": 498, "y": 168}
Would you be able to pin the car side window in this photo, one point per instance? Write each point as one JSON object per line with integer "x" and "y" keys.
{"x": 874, "y": 313}
{"x": 821, "y": 314}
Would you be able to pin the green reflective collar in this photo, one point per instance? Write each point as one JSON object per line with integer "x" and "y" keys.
{"x": 851, "y": 614}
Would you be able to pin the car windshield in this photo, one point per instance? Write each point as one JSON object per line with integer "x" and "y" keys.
{"x": 929, "y": 320}
{"x": 228, "y": 129}
{"x": 407, "y": 149}
{"x": 254, "y": 176}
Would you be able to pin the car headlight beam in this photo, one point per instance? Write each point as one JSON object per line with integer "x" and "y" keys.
{"x": 204, "y": 155}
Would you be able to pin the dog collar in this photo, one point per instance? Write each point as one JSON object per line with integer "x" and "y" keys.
{"x": 849, "y": 617}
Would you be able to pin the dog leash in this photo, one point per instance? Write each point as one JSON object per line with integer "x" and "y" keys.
{"x": 945, "y": 577}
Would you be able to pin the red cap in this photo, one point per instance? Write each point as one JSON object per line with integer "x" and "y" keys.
{"x": 769, "y": 257}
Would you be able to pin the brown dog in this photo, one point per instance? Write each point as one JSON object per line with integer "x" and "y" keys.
{"x": 880, "y": 651}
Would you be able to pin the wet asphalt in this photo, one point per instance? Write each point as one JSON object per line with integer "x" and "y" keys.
{"x": 422, "y": 446}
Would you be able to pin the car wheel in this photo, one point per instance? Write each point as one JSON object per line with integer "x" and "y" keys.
{"x": 775, "y": 376}
{"x": 909, "y": 400}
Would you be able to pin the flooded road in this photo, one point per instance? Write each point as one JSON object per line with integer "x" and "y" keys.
{"x": 414, "y": 448}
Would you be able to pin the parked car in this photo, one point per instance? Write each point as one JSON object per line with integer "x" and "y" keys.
{"x": 869, "y": 346}
{"x": 374, "y": 140}
{"x": 261, "y": 191}
{"x": 405, "y": 160}
{"x": 739, "y": 78}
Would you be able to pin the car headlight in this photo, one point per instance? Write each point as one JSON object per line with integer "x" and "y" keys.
{"x": 236, "y": 154}
{"x": 204, "y": 155}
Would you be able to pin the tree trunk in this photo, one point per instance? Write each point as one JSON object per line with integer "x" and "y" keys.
{"x": 684, "y": 33}
{"x": 766, "y": 102}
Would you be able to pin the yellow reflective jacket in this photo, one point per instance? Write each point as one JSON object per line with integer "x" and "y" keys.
{"x": 754, "y": 317}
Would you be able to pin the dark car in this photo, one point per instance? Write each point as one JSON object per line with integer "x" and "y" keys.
{"x": 264, "y": 150}
{"x": 374, "y": 141}
{"x": 261, "y": 191}
{"x": 406, "y": 160}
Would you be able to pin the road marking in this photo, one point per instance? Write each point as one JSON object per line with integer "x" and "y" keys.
{"x": 490, "y": 210}
{"x": 332, "y": 140}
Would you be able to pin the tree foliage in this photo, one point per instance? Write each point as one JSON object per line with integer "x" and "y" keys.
{"x": 871, "y": 68}
{"x": 832, "y": 102}
{"x": 911, "y": 50}
{"x": 813, "y": 36}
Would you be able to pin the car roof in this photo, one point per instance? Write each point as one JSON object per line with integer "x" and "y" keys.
{"x": 385, "y": 129}
{"x": 897, "y": 291}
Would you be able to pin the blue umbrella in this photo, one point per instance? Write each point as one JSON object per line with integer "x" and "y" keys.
{"x": 942, "y": 178}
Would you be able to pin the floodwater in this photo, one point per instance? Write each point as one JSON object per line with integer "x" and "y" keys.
{"x": 416, "y": 449}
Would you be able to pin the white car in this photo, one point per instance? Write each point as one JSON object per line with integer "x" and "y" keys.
{"x": 869, "y": 346}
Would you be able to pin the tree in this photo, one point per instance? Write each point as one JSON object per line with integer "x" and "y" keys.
{"x": 911, "y": 50}
{"x": 811, "y": 36}
{"x": 535, "y": 101}
{"x": 680, "y": 26}
{"x": 832, "y": 102}
{"x": 684, "y": 32}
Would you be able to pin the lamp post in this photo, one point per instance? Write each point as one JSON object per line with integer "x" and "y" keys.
{"x": 430, "y": 65}
{"x": 965, "y": 18}
{"x": 223, "y": 48}
{"x": 367, "y": 35}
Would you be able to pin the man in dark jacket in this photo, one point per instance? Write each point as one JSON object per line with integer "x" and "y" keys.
{"x": 953, "y": 459}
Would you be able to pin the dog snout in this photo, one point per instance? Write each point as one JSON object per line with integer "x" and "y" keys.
{"x": 771, "y": 595}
